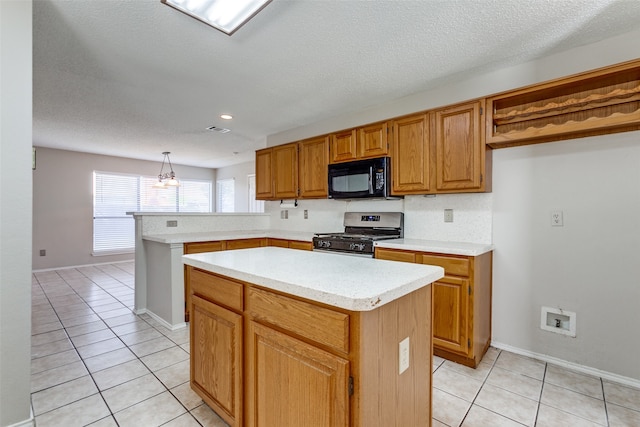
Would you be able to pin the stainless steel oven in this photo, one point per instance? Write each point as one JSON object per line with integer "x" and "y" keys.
{"x": 362, "y": 229}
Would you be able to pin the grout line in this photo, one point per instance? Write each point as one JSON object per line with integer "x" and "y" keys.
{"x": 110, "y": 328}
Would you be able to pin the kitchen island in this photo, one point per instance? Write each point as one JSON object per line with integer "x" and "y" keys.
{"x": 281, "y": 337}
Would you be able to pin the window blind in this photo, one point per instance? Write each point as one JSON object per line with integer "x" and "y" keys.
{"x": 116, "y": 194}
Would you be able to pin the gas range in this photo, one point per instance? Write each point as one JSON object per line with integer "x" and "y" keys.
{"x": 361, "y": 230}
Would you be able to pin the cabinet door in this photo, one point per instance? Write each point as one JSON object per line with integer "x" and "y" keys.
{"x": 291, "y": 383}
{"x": 314, "y": 161}
{"x": 285, "y": 167}
{"x": 372, "y": 140}
{"x": 264, "y": 174}
{"x": 460, "y": 150}
{"x": 411, "y": 170}
{"x": 216, "y": 358}
{"x": 343, "y": 146}
{"x": 450, "y": 314}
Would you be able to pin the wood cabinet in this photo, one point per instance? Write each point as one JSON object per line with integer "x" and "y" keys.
{"x": 460, "y": 152}
{"x": 291, "y": 171}
{"x": 597, "y": 102}
{"x": 461, "y": 302}
{"x": 313, "y": 171}
{"x": 264, "y": 174}
{"x": 410, "y": 163}
{"x": 216, "y": 358}
{"x": 277, "y": 172}
{"x": 361, "y": 143}
{"x": 212, "y": 246}
{"x": 305, "y": 363}
{"x": 285, "y": 171}
{"x": 292, "y": 244}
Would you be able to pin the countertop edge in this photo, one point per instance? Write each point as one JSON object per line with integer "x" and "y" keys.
{"x": 433, "y": 273}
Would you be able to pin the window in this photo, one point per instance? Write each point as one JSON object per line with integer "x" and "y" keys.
{"x": 116, "y": 194}
{"x": 226, "y": 195}
{"x": 254, "y": 205}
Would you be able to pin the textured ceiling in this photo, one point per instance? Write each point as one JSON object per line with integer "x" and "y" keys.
{"x": 134, "y": 78}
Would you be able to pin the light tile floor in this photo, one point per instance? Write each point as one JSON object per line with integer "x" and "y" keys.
{"x": 96, "y": 363}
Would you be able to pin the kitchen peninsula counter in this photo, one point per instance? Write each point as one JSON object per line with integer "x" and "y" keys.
{"x": 287, "y": 337}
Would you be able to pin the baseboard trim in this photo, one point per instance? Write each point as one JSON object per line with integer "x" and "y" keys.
{"x": 40, "y": 270}
{"x": 26, "y": 423}
{"x": 632, "y": 382}
{"x": 164, "y": 322}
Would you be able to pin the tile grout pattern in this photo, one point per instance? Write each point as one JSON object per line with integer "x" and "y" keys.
{"x": 95, "y": 363}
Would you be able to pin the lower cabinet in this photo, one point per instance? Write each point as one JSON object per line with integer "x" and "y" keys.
{"x": 261, "y": 358}
{"x": 216, "y": 358}
{"x": 276, "y": 362}
{"x": 461, "y": 302}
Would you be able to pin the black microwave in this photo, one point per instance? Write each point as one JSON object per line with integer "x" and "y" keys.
{"x": 360, "y": 179}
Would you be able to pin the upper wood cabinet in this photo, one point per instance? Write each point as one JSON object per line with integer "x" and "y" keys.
{"x": 361, "y": 143}
{"x": 410, "y": 164}
{"x": 597, "y": 102}
{"x": 372, "y": 140}
{"x": 314, "y": 161}
{"x": 285, "y": 170}
{"x": 460, "y": 152}
{"x": 277, "y": 172}
{"x": 291, "y": 171}
{"x": 264, "y": 174}
{"x": 343, "y": 146}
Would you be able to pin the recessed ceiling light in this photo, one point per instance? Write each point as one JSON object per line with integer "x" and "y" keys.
{"x": 226, "y": 116}
{"x": 224, "y": 15}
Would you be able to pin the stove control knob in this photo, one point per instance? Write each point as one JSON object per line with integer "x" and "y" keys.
{"x": 325, "y": 244}
{"x": 357, "y": 247}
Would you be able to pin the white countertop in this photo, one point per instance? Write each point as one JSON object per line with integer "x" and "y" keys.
{"x": 352, "y": 283}
{"x": 450, "y": 248}
{"x": 228, "y": 235}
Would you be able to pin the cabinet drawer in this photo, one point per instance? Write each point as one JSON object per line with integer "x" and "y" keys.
{"x": 305, "y": 246}
{"x": 196, "y": 248}
{"x": 454, "y": 266}
{"x": 217, "y": 289}
{"x": 318, "y": 324}
{"x": 394, "y": 255}
{"x": 245, "y": 243}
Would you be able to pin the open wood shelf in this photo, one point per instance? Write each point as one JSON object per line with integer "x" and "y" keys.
{"x": 593, "y": 103}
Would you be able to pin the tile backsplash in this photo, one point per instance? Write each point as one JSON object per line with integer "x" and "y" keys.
{"x": 424, "y": 216}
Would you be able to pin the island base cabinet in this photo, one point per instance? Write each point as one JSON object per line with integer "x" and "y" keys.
{"x": 262, "y": 358}
{"x": 276, "y": 394}
{"x": 216, "y": 358}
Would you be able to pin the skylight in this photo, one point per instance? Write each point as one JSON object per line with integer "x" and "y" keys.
{"x": 224, "y": 15}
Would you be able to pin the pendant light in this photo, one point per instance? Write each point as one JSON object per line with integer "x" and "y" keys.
{"x": 166, "y": 179}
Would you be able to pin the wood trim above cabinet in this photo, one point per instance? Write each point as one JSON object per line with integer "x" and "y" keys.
{"x": 597, "y": 102}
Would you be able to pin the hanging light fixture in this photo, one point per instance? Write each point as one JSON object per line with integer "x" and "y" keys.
{"x": 166, "y": 179}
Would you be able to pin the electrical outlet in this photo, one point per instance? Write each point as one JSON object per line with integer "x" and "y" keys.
{"x": 403, "y": 352}
{"x": 43, "y": 252}
{"x": 448, "y": 215}
{"x": 284, "y": 214}
{"x": 556, "y": 219}
{"x": 306, "y": 214}
{"x": 172, "y": 223}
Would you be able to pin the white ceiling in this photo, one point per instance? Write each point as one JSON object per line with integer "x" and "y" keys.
{"x": 134, "y": 78}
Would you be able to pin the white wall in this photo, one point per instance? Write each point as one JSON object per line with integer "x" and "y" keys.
{"x": 585, "y": 265}
{"x": 239, "y": 173}
{"x": 15, "y": 212}
{"x": 63, "y": 202}
{"x": 588, "y": 266}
